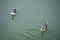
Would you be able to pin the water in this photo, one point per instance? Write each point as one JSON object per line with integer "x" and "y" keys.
{"x": 30, "y": 16}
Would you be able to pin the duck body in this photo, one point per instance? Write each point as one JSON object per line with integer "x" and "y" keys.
{"x": 44, "y": 27}
{"x": 13, "y": 13}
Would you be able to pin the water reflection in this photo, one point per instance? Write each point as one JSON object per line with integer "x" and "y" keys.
{"x": 12, "y": 17}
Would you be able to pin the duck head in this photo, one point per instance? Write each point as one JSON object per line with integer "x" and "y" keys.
{"x": 14, "y": 10}
{"x": 46, "y": 25}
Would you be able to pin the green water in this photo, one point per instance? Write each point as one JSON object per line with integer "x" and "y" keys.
{"x": 30, "y": 16}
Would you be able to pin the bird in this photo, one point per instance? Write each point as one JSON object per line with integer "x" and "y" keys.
{"x": 44, "y": 27}
{"x": 13, "y": 13}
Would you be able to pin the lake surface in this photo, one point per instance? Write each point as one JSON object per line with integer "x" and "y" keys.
{"x": 30, "y": 16}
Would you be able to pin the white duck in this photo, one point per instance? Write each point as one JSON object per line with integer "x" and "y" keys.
{"x": 44, "y": 27}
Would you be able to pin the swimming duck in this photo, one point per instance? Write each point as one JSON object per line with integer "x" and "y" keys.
{"x": 44, "y": 27}
{"x": 13, "y": 13}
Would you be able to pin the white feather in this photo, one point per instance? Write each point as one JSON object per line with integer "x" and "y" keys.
{"x": 12, "y": 13}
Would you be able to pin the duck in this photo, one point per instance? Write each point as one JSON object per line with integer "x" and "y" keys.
{"x": 44, "y": 27}
{"x": 13, "y": 13}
